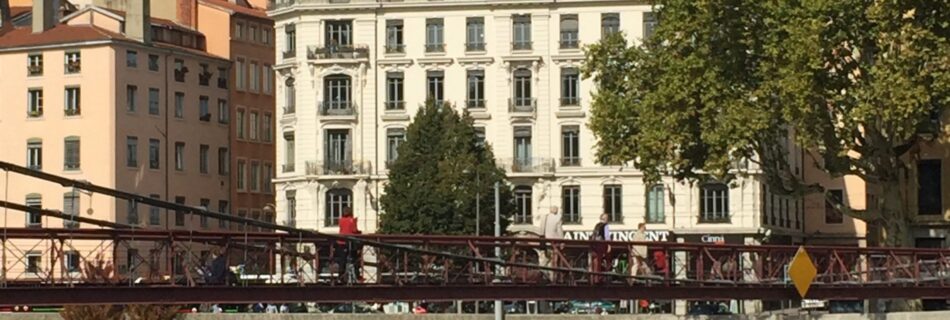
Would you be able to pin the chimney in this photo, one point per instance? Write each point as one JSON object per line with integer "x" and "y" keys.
{"x": 44, "y": 15}
{"x": 138, "y": 23}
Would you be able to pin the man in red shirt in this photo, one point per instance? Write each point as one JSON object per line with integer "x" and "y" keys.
{"x": 347, "y": 251}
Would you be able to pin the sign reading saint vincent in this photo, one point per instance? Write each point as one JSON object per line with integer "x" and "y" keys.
{"x": 619, "y": 235}
{"x": 802, "y": 271}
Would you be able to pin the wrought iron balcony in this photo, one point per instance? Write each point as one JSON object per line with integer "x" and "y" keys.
{"x": 570, "y": 101}
{"x": 568, "y": 42}
{"x": 521, "y": 45}
{"x": 337, "y": 52}
{"x": 528, "y": 165}
{"x": 475, "y": 46}
{"x": 522, "y": 105}
{"x": 395, "y": 105}
{"x": 287, "y": 167}
{"x": 337, "y": 108}
{"x": 337, "y": 168}
{"x": 396, "y": 48}
{"x": 435, "y": 47}
{"x": 290, "y": 54}
{"x": 475, "y": 103}
{"x": 570, "y": 161}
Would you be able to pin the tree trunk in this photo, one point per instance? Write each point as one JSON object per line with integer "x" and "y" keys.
{"x": 892, "y": 229}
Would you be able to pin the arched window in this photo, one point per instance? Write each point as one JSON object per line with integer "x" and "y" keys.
{"x": 337, "y": 200}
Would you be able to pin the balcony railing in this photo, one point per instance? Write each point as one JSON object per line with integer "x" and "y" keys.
{"x": 395, "y": 48}
{"x": 435, "y": 47}
{"x": 337, "y": 52}
{"x": 475, "y": 103}
{"x": 395, "y": 105}
{"x": 290, "y": 54}
{"x": 521, "y": 45}
{"x": 528, "y": 165}
{"x": 570, "y": 101}
{"x": 73, "y": 67}
{"x": 337, "y": 108}
{"x": 204, "y": 78}
{"x": 475, "y": 46}
{"x": 180, "y": 75}
{"x": 570, "y": 161}
{"x": 337, "y": 168}
{"x": 287, "y": 167}
{"x": 290, "y": 109}
{"x": 570, "y": 43}
{"x": 521, "y": 105}
{"x": 35, "y": 70}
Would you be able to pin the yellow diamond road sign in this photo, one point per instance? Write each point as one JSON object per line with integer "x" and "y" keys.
{"x": 802, "y": 271}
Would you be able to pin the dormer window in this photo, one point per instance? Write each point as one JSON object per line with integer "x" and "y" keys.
{"x": 73, "y": 64}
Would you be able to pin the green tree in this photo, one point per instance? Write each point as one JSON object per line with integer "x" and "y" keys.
{"x": 853, "y": 82}
{"x": 441, "y": 169}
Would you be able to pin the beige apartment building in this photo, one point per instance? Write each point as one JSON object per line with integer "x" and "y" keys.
{"x": 352, "y": 73}
{"x": 119, "y": 99}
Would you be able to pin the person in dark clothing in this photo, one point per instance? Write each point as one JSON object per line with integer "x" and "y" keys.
{"x": 600, "y": 249}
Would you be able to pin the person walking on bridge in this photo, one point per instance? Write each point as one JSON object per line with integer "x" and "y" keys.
{"x": 347, "y": 250}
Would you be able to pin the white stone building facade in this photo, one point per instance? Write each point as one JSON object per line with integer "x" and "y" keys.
{"x": 351, "y": 74}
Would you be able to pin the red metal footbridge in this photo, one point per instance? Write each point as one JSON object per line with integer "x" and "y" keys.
{"x": 104, "y": 262}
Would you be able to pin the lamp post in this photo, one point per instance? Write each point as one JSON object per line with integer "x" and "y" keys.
{"x": 499, "y": 312}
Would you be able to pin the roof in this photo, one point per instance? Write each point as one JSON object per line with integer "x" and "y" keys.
{"x": 236, "y": 8}
{"x": 60, "y": 34}
{"x": 154, "y": 20}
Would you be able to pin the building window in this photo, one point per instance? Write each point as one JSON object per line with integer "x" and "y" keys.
{"x": 522, "y": 90}
{"x": 203, "y": 158}
{"x": 290, "y": 41}
{"x": 714, "y": 203}
{"x": 239, "y": 126}
{"x": 179, "y": 214}
{"x": 132, "y": 152}
{"x": 73, "y": 62}
{"x": 289, "y": 152}
{"x": 475, "y": 34}
{"x": 339, "y": 34}
{"x": 649, "y": 24}
{"x": 153, "y": 153}
{"x": 255, "y": 176}
{"x": 241, "y": 174}
{"x": 34, "y": 103}
{"x": 267, "y": 79}
{"x": 71, "y": 159}
{"x": 34, "y": 202}
{"x": 254, "y": 78}
{"x": 290, "y": 97}
{"x": 613, "y": 203}
{"x": 33, "y": 262}
{"x": 34, "y": 154}
{"x": 609, "y": 24}
{"x": 394, "y": 138}
{"x": 204, "y": 78}
{"x": 268, "y": 173}
{"x": 223, "y": 161}
{"x": 394, "y": 91}
{"x": 180, "y": 105}
{"x": 569, "y": 32}
{"x": 223, "y": 209}
{"x": 252, "y": 33}
{"x": 132, "y": 212}
{"x": 570, "y": 87}
{"x": 35, "y": 64}
{"x": 291, "y": 207}
{"x": 180, "y": 70}
{"x": 476, "y": 89}
{"x": 522, "y": 136}
{"x": 71, "y": 208}
{"x": 222, "y": 78}
{"x": 153, "y": 101}
{"x": 130, "y": 93}
{"x": 832, "y": 214}
{"x": 394, "y": 40}
{"x": 180, "y": 156}
{"x": 523, "y": 205}
{"x": 71, "y": 261}
{"x": 223, "y": 111}
{"x": 203, "y": 220}
{"x": 571, "y": 203}
{"x": 435, "y": 82}
{"x": 521, "y": 32}
{"x": 72, "y": 103}
{"x": 153, "y": 62}
{"x": 338, "y": 151}
{"x": 337, "y": 201}
{"x": 656, "y": 204}
{"x": 239, "y": 71}
{"x": 570, "y": 146}
{"x": 435, "y": 42}
{"x": 266, "y": 131}
{"x": 252, "y": 121}
{"x": 204, "y": 112}
{"x": 930, "y": 192}
{"x": 336, "y": 93}
{"x": 265, "y": 35}
{"x": 239, "y": 30}
{"x": 154, "y": 215}
{"x": 131, "y": 59}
